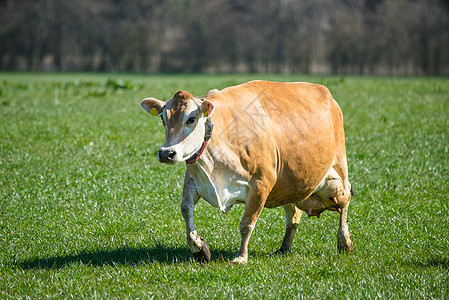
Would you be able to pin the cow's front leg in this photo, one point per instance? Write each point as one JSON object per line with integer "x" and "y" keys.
{"x": 246, "y": 229}
{"x": 253, "y": 208}
{"x": 292, "y": 217}
{"x": 196, "y": 243}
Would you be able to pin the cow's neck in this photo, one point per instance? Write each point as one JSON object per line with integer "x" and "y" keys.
{"x": 209, "y": 126}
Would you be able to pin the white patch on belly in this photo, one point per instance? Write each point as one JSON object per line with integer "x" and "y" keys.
{"x": 222, "y": 189}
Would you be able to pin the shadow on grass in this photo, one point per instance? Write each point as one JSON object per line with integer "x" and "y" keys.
{"x": 123, "y": 256}
{"x": 432, "y": 262}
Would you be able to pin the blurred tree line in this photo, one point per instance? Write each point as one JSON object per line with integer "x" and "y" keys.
{"x": 396, "y": 37}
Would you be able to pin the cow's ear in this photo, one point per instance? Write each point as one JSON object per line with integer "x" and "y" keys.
{"x": 207, "y": 108}
{"x": 153, "y": 106}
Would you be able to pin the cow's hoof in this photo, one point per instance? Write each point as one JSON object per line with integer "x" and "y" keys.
{"x": 349, "y": 248}
{"x": 203, "y": 256}
{"x": 239, "y": 260}
{"x": 282, "y": 251}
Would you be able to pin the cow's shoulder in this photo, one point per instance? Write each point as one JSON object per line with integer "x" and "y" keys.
{"x": 212, "y": 92}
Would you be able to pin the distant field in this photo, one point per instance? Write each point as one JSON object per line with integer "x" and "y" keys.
{"x": 87, "y": 211}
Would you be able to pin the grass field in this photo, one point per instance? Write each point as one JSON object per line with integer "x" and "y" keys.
{"x": 87, "y": 211}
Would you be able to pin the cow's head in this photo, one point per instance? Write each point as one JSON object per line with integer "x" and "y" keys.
{"x": 184, "y": 118}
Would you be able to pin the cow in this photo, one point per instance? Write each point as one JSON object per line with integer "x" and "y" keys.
{"x": 261, "y": 143}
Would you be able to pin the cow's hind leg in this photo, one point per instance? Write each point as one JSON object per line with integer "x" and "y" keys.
{"x": 343, "y": 235}
{"x": 341, "y": 167}
{"x": 336, "y": 193}
{"x": 292, "y": 217}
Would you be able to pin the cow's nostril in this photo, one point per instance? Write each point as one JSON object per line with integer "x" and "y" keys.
{"x": 172, "y": 155}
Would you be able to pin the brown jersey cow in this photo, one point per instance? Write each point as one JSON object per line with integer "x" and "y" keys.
{"x": 273, "y": 144}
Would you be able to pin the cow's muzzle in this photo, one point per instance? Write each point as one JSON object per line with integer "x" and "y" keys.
{"x": 167, "y": 155}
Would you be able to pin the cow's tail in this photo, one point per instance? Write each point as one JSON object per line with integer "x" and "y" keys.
{"x": 352, "y": 191}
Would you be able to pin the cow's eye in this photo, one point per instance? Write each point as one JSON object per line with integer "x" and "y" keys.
{"x": 191, "y": 120}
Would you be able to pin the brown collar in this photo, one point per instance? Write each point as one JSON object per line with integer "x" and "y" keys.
{"x": 197, "y": 155}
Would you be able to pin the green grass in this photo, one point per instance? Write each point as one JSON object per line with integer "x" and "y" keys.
{"x": 87, "y": 211}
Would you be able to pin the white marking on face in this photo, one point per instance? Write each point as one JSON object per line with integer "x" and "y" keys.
{"x": 184, "y": 136}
